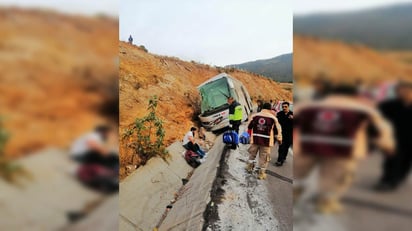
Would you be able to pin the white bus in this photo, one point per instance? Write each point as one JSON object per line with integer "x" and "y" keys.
{"x": 214, "y": 107}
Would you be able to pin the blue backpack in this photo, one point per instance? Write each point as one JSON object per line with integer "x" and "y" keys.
{"x": 244, "y": 138}
{"x": 231, "y": 138}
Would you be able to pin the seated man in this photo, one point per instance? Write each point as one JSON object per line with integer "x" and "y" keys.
{"x": 189, "y": 143}
{"x": 91, "y": 149}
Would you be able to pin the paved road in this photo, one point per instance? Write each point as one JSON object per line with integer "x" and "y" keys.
{"x": 365, "y": 209}
{"x": 258, "y": 205}
{"x": 279, "y": 185}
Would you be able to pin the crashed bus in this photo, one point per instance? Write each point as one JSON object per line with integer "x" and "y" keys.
{"x": 214, "y": 107}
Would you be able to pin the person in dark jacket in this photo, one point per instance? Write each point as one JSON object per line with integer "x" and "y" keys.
{"x": 235, "y": 114}
{"x": 399, "y": 112}
{"x": 285, "y": 118}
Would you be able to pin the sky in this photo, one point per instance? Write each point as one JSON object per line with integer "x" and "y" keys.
{"x": 301, "y": 7}
{"x": 209, "y": 31}
{"x": 87, "y": 7}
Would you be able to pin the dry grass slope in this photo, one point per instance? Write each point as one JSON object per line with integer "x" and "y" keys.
{"x": 52, "y": 69}
{"x": 344, "y": 62}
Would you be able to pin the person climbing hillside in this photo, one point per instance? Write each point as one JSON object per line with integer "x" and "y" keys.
{"x": 130, "y": 39}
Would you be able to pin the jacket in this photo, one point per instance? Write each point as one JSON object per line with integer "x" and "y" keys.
{"x": 265, "y": 129}
{"x": 235, "y": 111}
{"x": 337, "y": 126}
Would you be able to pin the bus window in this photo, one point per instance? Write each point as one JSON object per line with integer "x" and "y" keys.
{"x": 214, "y": 94}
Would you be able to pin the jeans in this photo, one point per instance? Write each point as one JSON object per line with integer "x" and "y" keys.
{"x": 195, "y": 148}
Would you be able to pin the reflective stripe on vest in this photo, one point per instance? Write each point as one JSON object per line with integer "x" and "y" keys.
{"x": 260, "y": 135}
{"x": 326, "y": 140}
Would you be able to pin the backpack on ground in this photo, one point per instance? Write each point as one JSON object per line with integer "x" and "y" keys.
{"x": 231, "y": 138}
{"x": 98, "y": 177}
{"x": 244, "y": 138}
{"x": 192, "y": 158}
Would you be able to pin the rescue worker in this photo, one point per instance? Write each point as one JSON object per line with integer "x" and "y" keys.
{"x": 285, "y": 118}
{"x": 235, "y": 113}
{"x": 332, "y": 133}
{"x": 264, "y": 128}
{"x": 399, "y": 112}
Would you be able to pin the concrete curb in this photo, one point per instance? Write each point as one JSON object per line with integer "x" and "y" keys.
{"x": 145, "y": 194}
{"x": 187, "y": 212}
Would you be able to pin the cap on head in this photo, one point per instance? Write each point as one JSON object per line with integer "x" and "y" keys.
{"x": 267, "y": 106}
{"x": 193, "y": 129}
{"x": 344, "y": 89}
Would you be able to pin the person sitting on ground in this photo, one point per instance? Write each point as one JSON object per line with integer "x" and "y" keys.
{"x": 189, "y": 143}
{"x": 91, "y": 148}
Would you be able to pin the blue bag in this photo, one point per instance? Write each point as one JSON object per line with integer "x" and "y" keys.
{"x": 244, "y": 138}
{"x": 231, "y": 138}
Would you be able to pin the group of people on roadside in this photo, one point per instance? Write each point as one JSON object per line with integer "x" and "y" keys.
{"x": 264, "y": 128}
{"x": 189, "y": 142}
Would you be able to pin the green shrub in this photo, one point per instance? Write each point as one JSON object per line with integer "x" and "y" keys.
{"x": 144, "y": 48}
{"x": 9, "y": 170}
{"x": 146, "y": 135}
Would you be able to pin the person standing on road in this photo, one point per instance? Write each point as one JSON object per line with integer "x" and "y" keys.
{"x": 264, "y": 128}
{"x": 399, "y": 112}
{"x": 285, "y": 118}
{"x": 235, "y": 114}
{"x": 332, "y": 133}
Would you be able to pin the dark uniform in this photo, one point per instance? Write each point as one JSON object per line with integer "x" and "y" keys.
{"x": 287, "y": 134}
{"x": 397, "y": 167}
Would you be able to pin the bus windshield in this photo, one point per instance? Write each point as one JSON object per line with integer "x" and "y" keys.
{"x": 214, "y": 94}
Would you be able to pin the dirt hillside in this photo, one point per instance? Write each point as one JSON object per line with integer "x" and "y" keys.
{"x": 338, "y": 60}
{"x": 56, "y": 71}
{"x": 174, "y": 81}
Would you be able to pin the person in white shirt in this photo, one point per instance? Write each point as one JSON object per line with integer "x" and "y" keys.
{"x": 91, "y": 148}
{"x": 189, "y": 143}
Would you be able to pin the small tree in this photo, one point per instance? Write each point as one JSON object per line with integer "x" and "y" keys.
{"x": 8, "y": 169}
{"x": 146, "y": 135}
{"x": 4, "y": 136}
